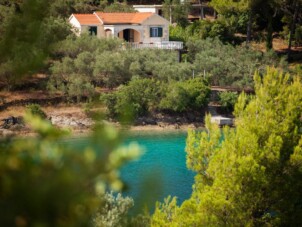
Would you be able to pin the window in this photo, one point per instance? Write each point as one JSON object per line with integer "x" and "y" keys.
{"x": 160, "y": 12}
{"x": 93, "y": 30}
{"x": 156, "y": 32}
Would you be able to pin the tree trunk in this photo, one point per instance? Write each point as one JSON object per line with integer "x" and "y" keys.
{"x": 170, "y": 12}
{"x": 201, "y": 10}
{"x": 249, "y": 28}
{"x": 269, "y": 36}
{"x": 215, "y": 14}
{"x": 292, "y": 28}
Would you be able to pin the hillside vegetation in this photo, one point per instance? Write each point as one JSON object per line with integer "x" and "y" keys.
{"x": 249, "y": 175}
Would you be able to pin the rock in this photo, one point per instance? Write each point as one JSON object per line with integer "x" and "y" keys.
{"x": 73, "y": 123}
{"x": 80, "y": 125}
{"x": 11, "y": 121}
{"x": 6, "y": 133}
{"x": 150, "y": 121}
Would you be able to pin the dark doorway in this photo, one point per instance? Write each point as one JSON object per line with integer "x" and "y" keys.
{"x": 128, "y": 35}
{"x": 160, "y": 12}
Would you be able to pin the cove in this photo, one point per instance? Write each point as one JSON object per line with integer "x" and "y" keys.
{"x": 161, "y": 171}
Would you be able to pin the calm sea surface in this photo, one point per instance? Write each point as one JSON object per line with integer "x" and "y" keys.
{"x": 161, "y": 170}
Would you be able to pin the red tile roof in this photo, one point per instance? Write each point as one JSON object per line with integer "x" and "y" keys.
{"x": 123, "y": 18}
{"x": 87, "y": 19}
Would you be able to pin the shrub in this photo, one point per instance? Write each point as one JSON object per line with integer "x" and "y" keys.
{"x": 176, "y": 98}
{"x": 35, "y": 110}
{"x": 226, "y": 65}
{"x": 110, "y": 99}
{"x": 48, "y": 181}
{"x": 113, "y": 211}
{"x": 138, "y": 97}
{"x": 228, "y": 100}
{"x": 180, "y": 96}
{"x": 198, "y": 92}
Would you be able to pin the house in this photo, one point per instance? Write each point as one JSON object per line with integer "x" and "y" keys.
{"x": 158, "y": 9}
{"x": 141, "y": 29}
{"x": 198, "y": 10}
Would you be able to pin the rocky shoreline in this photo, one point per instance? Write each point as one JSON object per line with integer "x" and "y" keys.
{"x": 79, "y": 124}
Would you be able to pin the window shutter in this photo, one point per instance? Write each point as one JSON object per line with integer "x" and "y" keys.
{"x": 151, "y": 35}
{"x": 160, "y": 32}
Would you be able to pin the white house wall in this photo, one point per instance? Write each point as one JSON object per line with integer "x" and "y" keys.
{"x": 76, "y": 25}
{"x": 146, "y": 9}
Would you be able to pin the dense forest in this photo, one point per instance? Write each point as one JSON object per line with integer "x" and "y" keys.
{"x": 252, "y": 177}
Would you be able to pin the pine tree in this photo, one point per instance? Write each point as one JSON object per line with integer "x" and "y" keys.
{"x": 252, "y": 177}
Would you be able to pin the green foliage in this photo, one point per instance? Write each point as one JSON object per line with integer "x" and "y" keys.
{"x": 142, "y": 96}
{"x": 202, "y": 29}
{"x": 235, "y": 21}
{"x": 176, "y": 98}
{"x": 253, "y": 176}
{"x": 187, "y": 95}
{"x": 178, "y": 33}
{"x": 113, "y": 211}
{"x": 177, "y": 11}
{"x": 298, "y": 35}
{"x": 118, "y": 7}
{"x": 225, "y": 6}
{"x": 47, "y": 182}
{"x": 72, "y": 46}
{"x": 297, "y": 70}
{"x": 35, "y": 110}
{"x": 138, "y": 97}
{"x": 64, "y": 8}
{"x": 77, "y": 73}
{"x": 27, "y": 40}
{"x": 228, "y": 100}
{"x": 112, "y": 69}
{"x": 226, "y": 65}
{"x": 165, "y": 212}
{"x": 110, "y": 101}
{"x": 86, "y": 62}
{"x": 215, "y": 29}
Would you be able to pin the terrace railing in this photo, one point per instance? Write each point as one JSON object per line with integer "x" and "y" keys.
{"x": 167, "y": 45}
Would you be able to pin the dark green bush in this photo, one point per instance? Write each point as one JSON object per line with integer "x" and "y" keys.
{"x": 180, "y": 96}
{"x": 35, "y": 109}
{"x": 176, "y": 98}
{"x": 228, "y": 100}
{"x": 202, "y": 29}
{"x": 138, "y": 97}
{"x": 142, "y": 96}
{"x": 226, "y": 65}
{"x": 88, "y": 62}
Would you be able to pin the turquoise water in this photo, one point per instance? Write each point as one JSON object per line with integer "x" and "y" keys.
{"x": 161, "y": 171}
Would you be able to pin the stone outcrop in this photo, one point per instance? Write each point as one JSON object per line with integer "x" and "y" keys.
{"x": 71, "y": 121}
